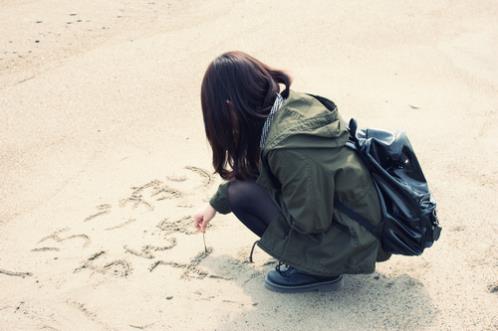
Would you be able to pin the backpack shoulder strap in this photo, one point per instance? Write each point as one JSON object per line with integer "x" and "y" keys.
{"x": 374, "y": 230}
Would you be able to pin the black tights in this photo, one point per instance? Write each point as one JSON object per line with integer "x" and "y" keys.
{"x": 252, "y": 205}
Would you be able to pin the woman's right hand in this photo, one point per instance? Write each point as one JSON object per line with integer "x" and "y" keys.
{"x": 203, "y": 216}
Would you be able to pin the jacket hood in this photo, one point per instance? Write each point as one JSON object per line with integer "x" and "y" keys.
{"x": 304, "y": 122}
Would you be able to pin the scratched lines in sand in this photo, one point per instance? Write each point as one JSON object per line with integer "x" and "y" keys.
{"x": 162, "y": 234}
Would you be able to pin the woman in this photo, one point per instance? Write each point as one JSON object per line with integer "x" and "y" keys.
{"x": 283, "y": 157}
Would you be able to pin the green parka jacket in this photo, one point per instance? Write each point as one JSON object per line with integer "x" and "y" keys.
{"x": 304, "y": 165}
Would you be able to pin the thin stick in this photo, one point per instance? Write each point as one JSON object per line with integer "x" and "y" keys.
{"x": 204, "y": 239}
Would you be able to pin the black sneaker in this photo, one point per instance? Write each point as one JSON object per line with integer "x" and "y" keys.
{"x": 292, "y": 280}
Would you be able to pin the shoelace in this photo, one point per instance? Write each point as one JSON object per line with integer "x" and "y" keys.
{"x": 279, "y": 270}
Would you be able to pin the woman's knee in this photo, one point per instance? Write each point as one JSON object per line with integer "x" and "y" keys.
{"x": 240, "y": 192}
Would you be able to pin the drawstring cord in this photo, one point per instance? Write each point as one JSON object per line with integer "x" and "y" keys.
{"x": 277, "y": 267}
{"x": 252, "y": 251}
{"x": 280, "y": 263}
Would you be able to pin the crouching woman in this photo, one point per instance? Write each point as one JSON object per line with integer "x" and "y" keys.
{"x": 283, "y": 157}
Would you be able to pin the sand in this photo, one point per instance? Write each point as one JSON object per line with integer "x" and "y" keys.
{"x": 104, "y": 160}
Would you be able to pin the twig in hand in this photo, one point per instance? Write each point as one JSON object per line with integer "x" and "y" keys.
{"x": 204, "y": 239}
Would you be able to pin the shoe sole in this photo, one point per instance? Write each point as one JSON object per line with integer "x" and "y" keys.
{"x": 330, "y": 285}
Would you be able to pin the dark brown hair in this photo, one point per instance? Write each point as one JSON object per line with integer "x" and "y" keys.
{"x": 237, "y": 93}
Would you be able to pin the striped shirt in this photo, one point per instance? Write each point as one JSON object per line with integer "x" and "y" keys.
{"x": 266, "y": 127}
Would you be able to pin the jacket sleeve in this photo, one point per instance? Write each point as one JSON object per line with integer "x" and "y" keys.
{"x": 219, "y": 200}
{"x": 306, "y": 190}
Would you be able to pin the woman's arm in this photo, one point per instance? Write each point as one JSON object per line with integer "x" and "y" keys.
{"x": 219, "y": 201}
{"x": 307, "y": 190}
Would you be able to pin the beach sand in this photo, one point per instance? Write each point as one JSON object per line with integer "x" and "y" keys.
{"x": 104, "y": 160}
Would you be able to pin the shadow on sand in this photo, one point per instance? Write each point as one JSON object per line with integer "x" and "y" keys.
{"x": 366, "y": 302}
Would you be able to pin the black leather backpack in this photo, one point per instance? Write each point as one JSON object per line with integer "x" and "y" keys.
{"x": 409, "y": 222}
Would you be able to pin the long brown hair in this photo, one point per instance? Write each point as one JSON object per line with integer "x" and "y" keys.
{"x": 237, "y": 93}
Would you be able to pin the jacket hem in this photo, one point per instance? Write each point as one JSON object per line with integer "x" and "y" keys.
{"x": 313, "y": 271}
